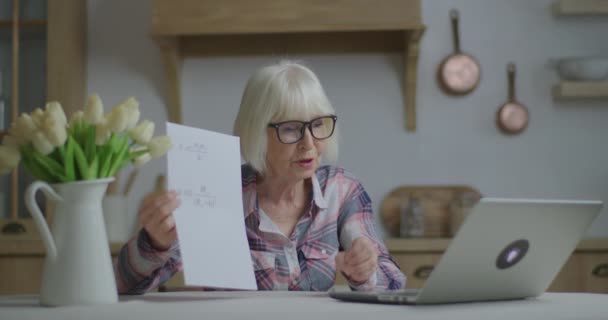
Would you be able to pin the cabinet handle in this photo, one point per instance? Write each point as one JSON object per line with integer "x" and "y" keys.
{"x": 423, "y": 272}
{"x": 601, "y": 270}
{"x": 13, "y": 228}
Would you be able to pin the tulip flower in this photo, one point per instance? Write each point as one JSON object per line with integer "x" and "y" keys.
{"x": 118, "y": 119}
{"x": 158, "y": 146}
{"x": 93, "y": 110}
{"x": 55, "y": 132}
{"x": 55, "y": 109}
{"x": 142, "y": 159}
{"x": 37, "y": 116}
{"x": 132, "y": 107}
{"x": 102, "y": 133}
{"x": 91, "y": 146}
{"x": 76, "y": 117}
{"x": 41, "y": 143}
{"x": 143, "y": 132}
{"x": 9, "y": 158}
{"x": 24, "y": 128}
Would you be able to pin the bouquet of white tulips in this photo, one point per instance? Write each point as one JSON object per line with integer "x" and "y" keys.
{"x": 90, "y": 146}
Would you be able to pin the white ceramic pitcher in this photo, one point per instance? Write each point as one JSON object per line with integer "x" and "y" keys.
{"x": 78, "y": 266}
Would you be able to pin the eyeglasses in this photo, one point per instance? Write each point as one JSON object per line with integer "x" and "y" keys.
{"x": 290, "y": 132}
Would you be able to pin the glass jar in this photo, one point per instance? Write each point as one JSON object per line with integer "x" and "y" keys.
{"x": 460, "y": 208}
{"x": 412, "y": 218}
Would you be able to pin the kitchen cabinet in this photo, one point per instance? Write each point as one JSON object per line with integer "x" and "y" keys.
{"x": 583, "y": 89}
{"x": 43, "y": 58}
{"x": 21, "y": 265}
{"x": 585, "y": 271}
{"x": 195, "y": 28}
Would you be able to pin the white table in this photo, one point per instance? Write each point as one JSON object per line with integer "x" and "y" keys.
{"x": 305, "y": 306}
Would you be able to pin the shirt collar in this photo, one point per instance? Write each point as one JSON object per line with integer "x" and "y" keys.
{"x": 317, "y": 194}
{"x": 250, "y": 199}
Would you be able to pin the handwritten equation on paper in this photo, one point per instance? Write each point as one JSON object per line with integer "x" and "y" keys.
{"x": 204, "y": 168}
{"x": 197, "y": 150}
{"x": 198, "y": 197}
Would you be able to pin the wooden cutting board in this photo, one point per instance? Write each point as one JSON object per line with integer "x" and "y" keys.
{"x": 436, "y": 202}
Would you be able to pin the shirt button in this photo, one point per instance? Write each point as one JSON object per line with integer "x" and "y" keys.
{"x": 294, "y": 282}
{"x": 323, "y": 251}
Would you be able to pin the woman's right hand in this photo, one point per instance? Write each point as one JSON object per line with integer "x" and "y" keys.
{"x": 156, "y": 217}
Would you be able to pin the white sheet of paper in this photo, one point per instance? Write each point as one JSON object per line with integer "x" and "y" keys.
{"x": 204, "y": 167}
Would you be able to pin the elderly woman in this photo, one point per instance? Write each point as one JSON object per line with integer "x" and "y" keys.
{"x": 304, "y": 221}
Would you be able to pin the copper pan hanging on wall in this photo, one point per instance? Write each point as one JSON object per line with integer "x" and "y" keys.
{"x": 512, "y": 117}
{"x": 459, "y": 73}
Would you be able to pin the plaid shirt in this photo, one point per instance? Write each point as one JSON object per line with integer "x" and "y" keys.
{"x": 339, "y": 212}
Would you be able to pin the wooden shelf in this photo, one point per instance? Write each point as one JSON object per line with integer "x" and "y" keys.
{"x": 581, "y": 7}
{"x": 194, "y": 28}
{"x": 24, "y": 23}
{"x": 577, "y": 90}
{"x": 36, "y": 248}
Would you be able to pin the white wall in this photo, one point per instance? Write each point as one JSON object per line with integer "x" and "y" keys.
{"x": 563, "y": 154}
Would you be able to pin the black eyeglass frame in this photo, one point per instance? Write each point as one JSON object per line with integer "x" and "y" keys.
{"x": 305, "y": 124}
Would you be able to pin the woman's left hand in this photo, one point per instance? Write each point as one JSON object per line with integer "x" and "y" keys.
{"x": 360, "y": 261}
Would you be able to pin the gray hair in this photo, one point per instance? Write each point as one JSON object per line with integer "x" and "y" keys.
{"x": 283, "y": 91}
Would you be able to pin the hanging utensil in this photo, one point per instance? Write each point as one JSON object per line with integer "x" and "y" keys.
{"x": 458, "y": 73}
{"x": 512, "y": 117}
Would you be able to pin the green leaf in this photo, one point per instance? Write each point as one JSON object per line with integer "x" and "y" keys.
{"x": 113, "y": 142}
{"x": 76, "y": 132}
{"x": 68, "y": 164}
{"x": 93, "y": 168}
{"x": 50, "y": 167}
{"x": 80, "y": 137}
{"x": 105, "y": 159}
{"x": 117, "y": 161}
{"x": 56, "y": 155}
{"x": 61, "y": 152}
{"x": 81, "y": 133}
{"x": 46, "y": 163}
{"x": 89, "y": 146}
{"x": 34, "y": 170}
{"x": 81, "y": 161}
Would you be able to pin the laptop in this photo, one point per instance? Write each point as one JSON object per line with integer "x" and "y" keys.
{"x": 505, "y": 249}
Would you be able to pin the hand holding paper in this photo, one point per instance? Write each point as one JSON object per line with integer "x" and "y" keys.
{"x": 156, "y": 217}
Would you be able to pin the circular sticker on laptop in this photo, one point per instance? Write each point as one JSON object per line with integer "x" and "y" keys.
{"x": 512, "y": 254}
